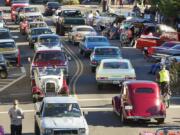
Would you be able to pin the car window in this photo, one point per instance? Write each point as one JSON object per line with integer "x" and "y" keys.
{"x": 48, "y": 39}
{"x": 144, "y": 90}
{"x": 107, "y": 51}
{"x": 115, "y": 65}
{"x": 4, "y": 35}
{"x": 49, "y": 56}
{"x": 41, "y": 31}
{"x": 72, "y": 13}
{"x": 96, "y": 39}
{"x": 30, "y": 9}
{"x": 6, "y": 45}
{"x": 62, "y": 110}
{"x": 74, "y": 21}
{"x": 85, "y": 29}
{"x": 168, "y": 45}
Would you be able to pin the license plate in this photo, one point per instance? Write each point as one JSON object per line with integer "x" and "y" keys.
{"x": 115, "y": 82}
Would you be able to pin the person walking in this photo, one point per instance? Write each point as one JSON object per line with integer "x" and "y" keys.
{"x": 16, "y": 115}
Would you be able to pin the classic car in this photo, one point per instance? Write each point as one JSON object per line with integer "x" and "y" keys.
{"x": 114, "y": 71}
{"x": 17, "y": 4}
{"x": 48, "y": 81}
{"x": 68, "y": 18}
{"x": 170, "y": 51}
{"x": 87, "y": 45}
{"x": 29, "y": 17}
{"x": 37, "y": 24}
{"x": 79, "y": 32}
{"x": 163, "y": 131}
{"x": 35, "y": 32}
{"x": 139, "y": 100}
{"x": 50, "y": 57}
{"x": 58, "y": 116}
{"x": 155, "y": 36}
{"x": 3, "y": 67}
{"x": 104, "y": 52}
{"x": 10, "y": 51}
{"x": 51, "y": 7}
{"x": 48, "y": 40}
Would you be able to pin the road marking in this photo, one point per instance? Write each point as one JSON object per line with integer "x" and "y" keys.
{"x": 13, "y": 82}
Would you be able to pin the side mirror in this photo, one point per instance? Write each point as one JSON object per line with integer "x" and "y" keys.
{"x": 29, "y": 59}
{"x": 38, "y": 113}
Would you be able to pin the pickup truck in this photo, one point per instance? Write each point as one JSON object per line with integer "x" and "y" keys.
{"x": 67, "y": 20}
{"x": 59, "y": 116}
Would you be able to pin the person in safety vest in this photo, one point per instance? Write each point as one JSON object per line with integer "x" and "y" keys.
{"x": 164, "y": 79}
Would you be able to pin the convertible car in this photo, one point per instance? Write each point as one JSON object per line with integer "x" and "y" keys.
{"x": 139, "y": 100}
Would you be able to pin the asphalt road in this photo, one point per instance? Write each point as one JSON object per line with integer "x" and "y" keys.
{"x": 100, "y": 118}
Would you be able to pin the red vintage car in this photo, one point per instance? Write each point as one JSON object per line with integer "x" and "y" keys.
{"x": 156, "y": 35}
{"x": 14, "y": 8}
{"x": 139, "y": 100}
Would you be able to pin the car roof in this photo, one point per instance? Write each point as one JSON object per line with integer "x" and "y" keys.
{"x": 83, "y": 26}
{"x": 60, "y": 99}
{"x": 95, "y": 37}
{"x": 49, "y": 35}
{"x": 6, "y": 40}
{"x": 115, "y": 60}
{"x": 40, "y": 28}
{"x": 99, "y": 47}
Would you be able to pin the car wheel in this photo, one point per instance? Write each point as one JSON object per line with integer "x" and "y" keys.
{"x": 100, "y": 86}
{"x": 160, "y": 120}
{"x": 93, "y": 69}
{"x": 3, "y": 74}
{"x": 36, "y": 128}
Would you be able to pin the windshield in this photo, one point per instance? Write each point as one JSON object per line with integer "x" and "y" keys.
{"x": 4, "y": 35}
{"x": 53, "y": 4}
{"x": 50, "y": 56}
{"x": 20, "y": 1}
{"x": 35, "y": 25}
{"x": 85, "y": 29}
{"x": 41, "y": 31}
{"x": 72, "y": 13}
{"x": 6, "y": 45}
{"x": 50, "y": 71}
{"x": 107, "y": 51}
{"x": 62, "y": 110}
{"x": 177, "y": 47}
{"x": 34, "y": 18}
{"x": 115, "y": 65}
{"x": 97, "y": 39}
{"x": 30, "y": 9}
{"x": 49, "y": 40}
{"x": 74, "y": 21}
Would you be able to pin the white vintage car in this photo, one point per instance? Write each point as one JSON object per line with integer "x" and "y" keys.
{"x": 114, "y": 71}
{"x": 48, "y": 41}
{"x": 79, "y": 32}
{"x": 59, "y": 116}
{"x": 48, "y": 81}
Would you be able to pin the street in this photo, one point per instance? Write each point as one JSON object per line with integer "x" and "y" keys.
{"x": 100, "y": 117}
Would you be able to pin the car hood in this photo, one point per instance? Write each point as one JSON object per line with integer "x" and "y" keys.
{"x": 148, "y": 107}
{"x": 64, "y": 122}
{"x": 47, "y": 63}
{"x": 95, "y": 44}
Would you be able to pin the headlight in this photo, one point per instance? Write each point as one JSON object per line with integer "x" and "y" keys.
{"x": 82, "y": 130}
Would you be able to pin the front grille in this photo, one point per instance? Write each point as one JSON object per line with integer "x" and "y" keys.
{"x": 66, "y": 132}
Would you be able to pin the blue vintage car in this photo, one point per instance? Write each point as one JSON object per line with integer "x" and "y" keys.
{"x": 104, "y": 52}
{"x": 90, "y": 42}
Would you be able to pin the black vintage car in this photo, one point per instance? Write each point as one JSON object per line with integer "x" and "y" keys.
{"x": 3, "y": 67}
{"x": 67, "y": 19}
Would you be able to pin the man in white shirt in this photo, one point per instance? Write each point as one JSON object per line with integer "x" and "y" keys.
{"x": 16, "y": 115}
